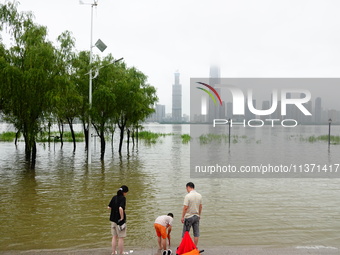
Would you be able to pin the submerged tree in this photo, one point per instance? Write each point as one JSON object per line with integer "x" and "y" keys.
{"x": 3, "y": 64}
{"x": 66, "y": 98}
{"x": 40, "y": 83}
{"x": 104, "y": 109}
{"x": 28, "y": 75}
{"x": 135, "y": 99}
{"x": 80, "y": 79}
{"x": 120, "y": 96}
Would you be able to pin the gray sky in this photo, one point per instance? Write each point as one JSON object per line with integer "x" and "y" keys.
{"x": 247, "y": 38}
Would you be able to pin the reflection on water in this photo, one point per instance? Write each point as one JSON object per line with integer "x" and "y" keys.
{"x": 63, "y": 202}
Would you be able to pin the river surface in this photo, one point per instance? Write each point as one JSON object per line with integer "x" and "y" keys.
{"x": 63, "y": 202}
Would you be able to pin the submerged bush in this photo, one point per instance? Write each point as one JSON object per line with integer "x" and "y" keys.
{"x": 151, "y": 137}
{"x": 7, "y": 136}
{"x": 186, "y": 138}
{"x": 323, "y": 138}
{"x": 55, "y": 137}
{"x": 208, "y": 138}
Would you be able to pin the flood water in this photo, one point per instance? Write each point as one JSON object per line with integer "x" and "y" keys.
{"x": 63, "y": 202}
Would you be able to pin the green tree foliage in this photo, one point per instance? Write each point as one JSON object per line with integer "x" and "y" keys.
{"x": 134, "y": 100}
{"x": 40, "y": 84}
{"x": 3, "y": 64}
{"x": 66, "y": 98}
{"x": 121, "y": 96}
{"x": 27, "y": 77}
{"x": 80, "y": 78}
{"x": 103, "y": 109}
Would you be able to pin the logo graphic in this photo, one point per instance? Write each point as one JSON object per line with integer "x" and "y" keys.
{"x": 209, "y": 93}
{"x": 253, "y": 102}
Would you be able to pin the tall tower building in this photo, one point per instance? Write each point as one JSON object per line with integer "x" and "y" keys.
{"x": 177, "y": 100}
{"x": 214, "y": 75}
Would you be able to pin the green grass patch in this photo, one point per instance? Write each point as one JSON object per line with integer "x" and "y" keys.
{"x": 334, "y": 139}
{"x": 79, "y": 136}
{"x": 209, "y": 138}
{"x": 7, "y": 137}
{"x": 151, "y": 137}
{"x": 43, "y": 137}
{"x": 323, "y": 138}
{"x": 76, "y": 134}
{"x": 186, "y": 138}
{"x": 55, "y": 137}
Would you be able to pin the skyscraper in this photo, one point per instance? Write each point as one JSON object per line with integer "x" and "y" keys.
{"x": 177, "y": 100}
{"x": 214, "y": 75}
{"x": 160, "y": 113}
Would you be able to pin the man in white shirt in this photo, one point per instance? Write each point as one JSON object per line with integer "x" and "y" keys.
{"x": 162, "y": 223}
{"x": 192, "y": 209}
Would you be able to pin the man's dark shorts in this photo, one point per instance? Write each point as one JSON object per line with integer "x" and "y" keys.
{"x": 193, "y": 221}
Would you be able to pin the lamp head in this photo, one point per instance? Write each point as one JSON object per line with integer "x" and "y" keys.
{"x": 100, "y": 45}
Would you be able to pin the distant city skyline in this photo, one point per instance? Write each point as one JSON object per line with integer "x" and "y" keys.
{"x": 330, "y": 101}
{"x": 322, "y": 106}
{"x": 262, "y": 89}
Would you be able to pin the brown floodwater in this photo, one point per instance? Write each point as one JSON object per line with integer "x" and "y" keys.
{"x": 63, "y": 202}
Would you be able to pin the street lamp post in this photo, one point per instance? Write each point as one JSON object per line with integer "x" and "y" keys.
{"x": 229, "y": 120}
{"x": 329, "y": 131}
{"x": 101, "y": 46}
{"x": 90, "y": 90}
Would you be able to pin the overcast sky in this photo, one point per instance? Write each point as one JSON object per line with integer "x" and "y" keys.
{"x": 247, "y": 38}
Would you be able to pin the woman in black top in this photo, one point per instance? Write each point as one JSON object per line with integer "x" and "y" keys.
{"x": 118, "y": 219}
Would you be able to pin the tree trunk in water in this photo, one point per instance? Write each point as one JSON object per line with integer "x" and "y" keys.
{"x": 27, "y": 151}
{"x": 28, "y": 145}
{"x": 128, "y": 139}
{"x": 16, "y": 137}
{"x": 30, "y": 149}
{"x": 61, "y": 132}
{"x": 112, "y": 140}
{"x": 86, "y": 132}
{"x": 112, "y": 136}
{"x": 49, "y": 133}
{"x": 34, "y": 155}
{"x": 137, "y": 136}
{"x": 72, "y": 133}
{"x": 62, "y": 135}
{"x": 121, "y": 137}
{"x": 133, "y": 138}
{"x": 102, "y": 145}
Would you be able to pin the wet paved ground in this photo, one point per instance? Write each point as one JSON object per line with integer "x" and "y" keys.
{"x": 209, "y": 251}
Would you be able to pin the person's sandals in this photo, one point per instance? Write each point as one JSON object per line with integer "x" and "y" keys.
{"x": 167, "y": 252}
